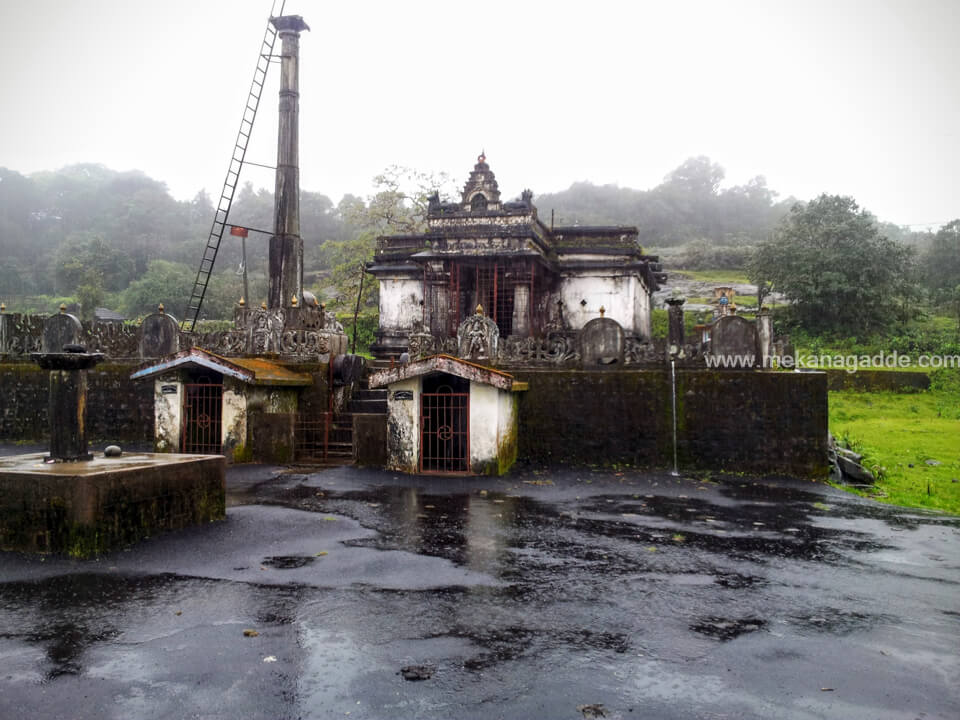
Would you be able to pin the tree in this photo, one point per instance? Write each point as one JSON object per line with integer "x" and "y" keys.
{"x": 401, "y": 201}
{"x": 164, "y": 282}
{"x": 941, "y": 261}
{"x": 837, "y": 270}
{"x": 90, "y": 296}
{"x": 399, "y": 206}
{"x": 84, "y": 255}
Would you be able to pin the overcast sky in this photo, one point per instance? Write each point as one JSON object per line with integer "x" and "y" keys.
{"x": 844, "y": 96}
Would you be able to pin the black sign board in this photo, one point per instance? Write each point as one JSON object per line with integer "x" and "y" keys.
{"x": 168, "y": 389}
{"x": 403, "y": 394}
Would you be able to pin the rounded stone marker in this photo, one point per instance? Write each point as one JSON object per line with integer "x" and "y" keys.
{"x": 112, "y": 451}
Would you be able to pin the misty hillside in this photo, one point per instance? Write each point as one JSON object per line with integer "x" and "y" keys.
{"x": 119, "y": 239}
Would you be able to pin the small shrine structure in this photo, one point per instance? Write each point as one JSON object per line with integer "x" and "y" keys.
{"x": 449, "y": 416}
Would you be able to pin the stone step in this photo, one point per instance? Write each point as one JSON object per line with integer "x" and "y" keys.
{"x": 321, "y": 464}
{"x": 368, "y": 407}
{"x": 364, "y": 394}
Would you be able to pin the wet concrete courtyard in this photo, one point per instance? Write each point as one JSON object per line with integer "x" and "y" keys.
{"x": 562, "y": 594}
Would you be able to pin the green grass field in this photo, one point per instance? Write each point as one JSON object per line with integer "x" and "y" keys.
{"x": 741, "y": 301}
{"x": 900, "y": 433}
{"x": 720, "y": 277}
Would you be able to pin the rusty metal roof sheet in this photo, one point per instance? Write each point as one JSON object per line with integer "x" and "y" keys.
{"x": 254, "y": 371}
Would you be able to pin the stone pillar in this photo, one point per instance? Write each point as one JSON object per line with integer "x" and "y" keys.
{"x": 675, "y": 329}
{"x": 4, "y": 333}
{"x": 286, "y": 245}
{"x": 765, "y": 338}
{"x": 521, "y": 310}
{"x": 67, "y": 405}
{"x": 438, "y": 311}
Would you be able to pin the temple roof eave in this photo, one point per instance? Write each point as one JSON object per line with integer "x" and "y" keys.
{"x": 446, "y": 364}
{"x": 252, "y": 371}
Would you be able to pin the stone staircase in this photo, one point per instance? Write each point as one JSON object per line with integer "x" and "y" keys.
{"x": 365, "y": 400}
{"x": 340, "y": 449}
{"x": 381, "y": 364}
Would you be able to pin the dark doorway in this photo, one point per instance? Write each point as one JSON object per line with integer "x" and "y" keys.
{"x": 202, "y": 414}
{"x": 445, "y": 424}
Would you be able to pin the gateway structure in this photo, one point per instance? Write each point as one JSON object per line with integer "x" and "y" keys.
{"x": 527, "y": 277}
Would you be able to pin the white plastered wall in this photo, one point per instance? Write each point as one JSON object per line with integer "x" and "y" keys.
{"x": 484, "y": 423}
{"x": 508, "y": 414}
{"x": 234, "y": 418}
{"x": 615, "y": 294}
{"x": 403, "y": 427}
{"x": 643, "y": 319}
{"x": 493, "y": 418}
{"x": 401, "y": 299}
{"x": 167, "y": 414}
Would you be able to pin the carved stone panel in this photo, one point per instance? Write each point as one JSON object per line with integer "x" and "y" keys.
{"x": 733, "y": 336}
{"x": 159, "y": 336}
{"x": 601, "y": 343}
{"x": 59, "y": 330}
{"x": 477, "y": 338}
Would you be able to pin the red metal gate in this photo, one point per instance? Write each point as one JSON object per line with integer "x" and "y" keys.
{"x": 202, "y": 412}
{"x": 445, "y": 432}
{"x": 312, "y": 437}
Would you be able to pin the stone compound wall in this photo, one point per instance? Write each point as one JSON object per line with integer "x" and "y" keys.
{"x": 119, "y": 410}
{"x": 300, "y": 335}
{"x": 762, "y": 422}
{"x": 878, "y": 381}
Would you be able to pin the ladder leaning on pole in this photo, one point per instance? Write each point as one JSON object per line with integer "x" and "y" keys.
{"x": 233, "y": 174}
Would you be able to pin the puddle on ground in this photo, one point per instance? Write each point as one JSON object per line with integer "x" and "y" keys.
{"x": 287, "y": 562}
{"x": 834, "y": 621}
{"x": 725, "y": 629}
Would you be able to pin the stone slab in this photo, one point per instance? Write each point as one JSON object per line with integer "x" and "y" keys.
{"x": 88, "y": 508}
{"x": 370, "y": 439}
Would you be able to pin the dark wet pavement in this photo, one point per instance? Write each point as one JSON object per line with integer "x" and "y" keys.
{"x": 566, "y": 594}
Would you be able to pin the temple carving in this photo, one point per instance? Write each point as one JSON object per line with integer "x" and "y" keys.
{"x": 531, "y": 280}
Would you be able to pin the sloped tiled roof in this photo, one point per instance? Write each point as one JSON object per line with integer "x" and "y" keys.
{"x": 254, "y": 371}
{"x": 446, "y": 364}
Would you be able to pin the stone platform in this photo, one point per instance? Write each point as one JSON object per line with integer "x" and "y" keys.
{"x": 87, "y": 508}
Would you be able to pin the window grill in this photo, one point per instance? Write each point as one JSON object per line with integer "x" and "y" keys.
{"x": 509, "y": 291}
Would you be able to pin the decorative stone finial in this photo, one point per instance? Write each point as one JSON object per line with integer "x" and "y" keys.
{"x": 602, "y": 310}
{"x": 482, "y": 157}
{"x": 293, "y": 300}
{"x": 323, "y": 306}
{"x": 63, "y": 308}
{"x": 3, "y": 307}
{"x": 160, "y": 308}
{"x": 479, "y": 309}
{"x": 263, "y": 305}
{"x": 242, "y": 301}
{"x": 316, "y": 303}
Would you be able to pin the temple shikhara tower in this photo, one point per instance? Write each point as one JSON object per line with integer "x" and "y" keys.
{"x": 482, "y": 256}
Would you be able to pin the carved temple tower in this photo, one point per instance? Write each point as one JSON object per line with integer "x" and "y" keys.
{"x": 528, "y": 278}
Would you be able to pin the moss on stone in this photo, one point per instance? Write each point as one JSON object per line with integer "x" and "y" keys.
{"x": 507, "y": 450}
{"x": 242, "y": 454}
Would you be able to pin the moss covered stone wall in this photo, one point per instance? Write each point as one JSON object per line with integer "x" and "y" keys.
{"x": 877, "y": 380}
{"x": 764, "y": 422}
{"x": 118, "y": 409}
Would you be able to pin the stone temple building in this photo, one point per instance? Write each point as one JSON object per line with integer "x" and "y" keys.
{"x": 527, "y": 277}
